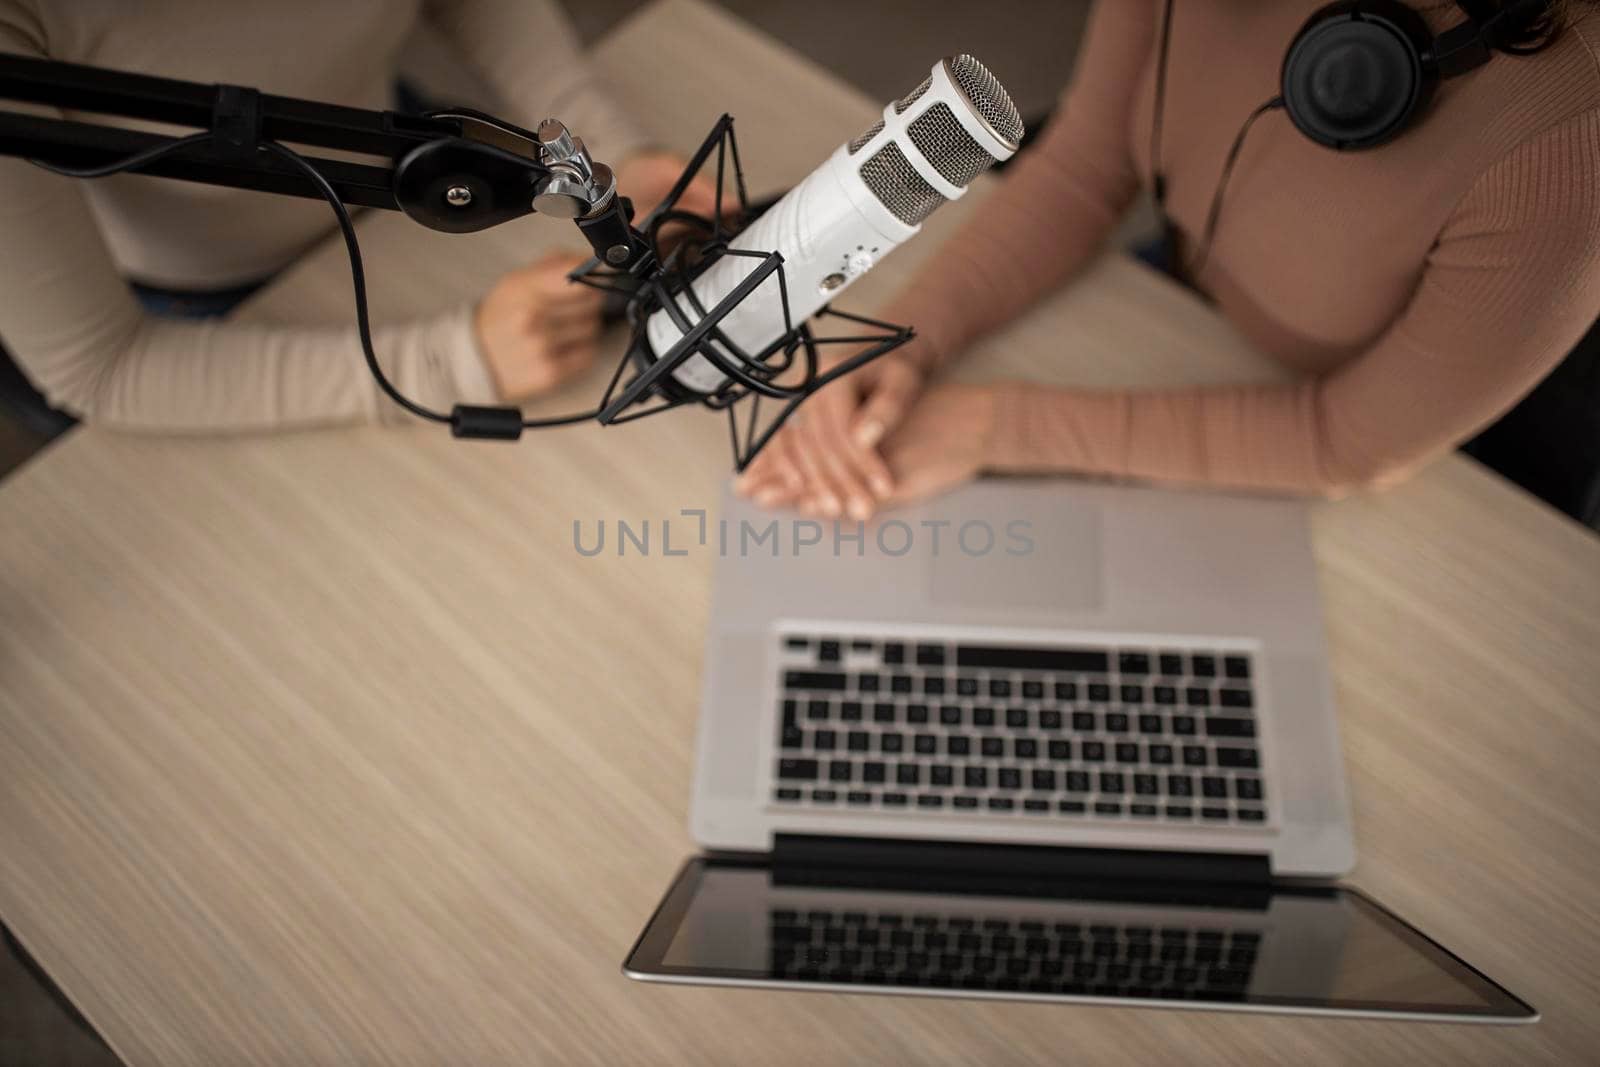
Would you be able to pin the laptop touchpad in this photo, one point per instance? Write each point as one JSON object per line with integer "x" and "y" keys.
{"x": 1010, "y": 549}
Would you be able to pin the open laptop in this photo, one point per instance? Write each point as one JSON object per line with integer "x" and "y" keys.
{"x": 1034, "y": 739}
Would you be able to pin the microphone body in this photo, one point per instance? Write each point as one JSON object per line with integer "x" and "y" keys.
{"x": 865, "y": 200}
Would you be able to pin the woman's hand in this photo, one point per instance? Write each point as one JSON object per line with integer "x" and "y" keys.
{"x": 648, "y": 177}
{"x": 942, "y": 443}
{"x": 825, "y": 459}
{"x": 536, "y": 329}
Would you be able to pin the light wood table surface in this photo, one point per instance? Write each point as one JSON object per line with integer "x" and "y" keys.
{"x": 329, "y": 748}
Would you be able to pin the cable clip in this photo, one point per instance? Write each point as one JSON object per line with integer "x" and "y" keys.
{"x": 236, "y": 122}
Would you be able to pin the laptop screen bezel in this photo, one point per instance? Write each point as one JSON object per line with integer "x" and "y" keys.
{"x": 647, "y": 961}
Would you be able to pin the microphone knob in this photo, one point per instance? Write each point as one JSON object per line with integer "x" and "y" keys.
{"x": 858, "y": 263}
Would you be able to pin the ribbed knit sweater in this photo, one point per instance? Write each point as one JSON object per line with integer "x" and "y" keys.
{"x": 1419, "y": 288}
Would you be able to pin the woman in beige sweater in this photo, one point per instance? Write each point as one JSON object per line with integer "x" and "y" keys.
{"x": 71, "y": 248}
{"x": 1419, "y": 288}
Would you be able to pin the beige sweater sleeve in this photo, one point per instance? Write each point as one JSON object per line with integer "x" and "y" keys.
{"x": 1511, "y": 284}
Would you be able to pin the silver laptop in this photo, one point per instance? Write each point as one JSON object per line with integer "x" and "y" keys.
{"x": 937, "y": 750}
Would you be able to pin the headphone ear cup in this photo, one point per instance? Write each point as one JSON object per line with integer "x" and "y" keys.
{"x": 1357, "y": 73}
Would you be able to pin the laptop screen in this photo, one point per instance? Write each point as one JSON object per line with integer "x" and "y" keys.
{"x": 1297, "y": 949}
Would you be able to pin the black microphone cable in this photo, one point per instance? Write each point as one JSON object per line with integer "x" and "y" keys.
{"x": 358, "y": 278}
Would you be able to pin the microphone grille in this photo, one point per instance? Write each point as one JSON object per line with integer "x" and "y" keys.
{"x": 947, "y": 147}
{"x": 913, "y": 96}
{"x": 898, "y": 186}
{"x": 988, "y": 97}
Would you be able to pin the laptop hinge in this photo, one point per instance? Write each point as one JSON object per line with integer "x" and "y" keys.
{"x": 1032, "y": 862}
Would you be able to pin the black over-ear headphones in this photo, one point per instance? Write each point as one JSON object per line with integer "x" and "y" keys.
{"x": 1357, "y": 75}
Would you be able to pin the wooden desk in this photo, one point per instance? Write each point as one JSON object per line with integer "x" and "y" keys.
{"x": 315, "y": 749}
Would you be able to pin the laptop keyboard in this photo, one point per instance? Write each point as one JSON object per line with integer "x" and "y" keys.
{"x": 971, "y": 952}
{"x": 1150, "y": 734}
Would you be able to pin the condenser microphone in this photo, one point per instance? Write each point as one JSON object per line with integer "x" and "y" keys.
{"x": 868, "y": 198}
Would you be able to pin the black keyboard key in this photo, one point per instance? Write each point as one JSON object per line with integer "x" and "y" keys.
{"x": 1235, "y": 698}
{"x": 798, "y": 769}
{"x": 1017, "y": 718}
{"x": 894, "y": 800}
{"x": 1160, "y": 755}
{"x": 967, "y": 686}
{"x": 1043, "y": 781}
{"x": 1025, "y": 748}
{"x": 950, "y": 714}
{"x": 813, "y": 680}
{"x": 1050, "y": 720}
{"x": 1116, "y": 722}
{"x": 1214, "y": 788}
{"x": 1247, "y": 788}
{"x": 840, "y": 770}
{"x": 883, "y": 712}
{"x": 1132, "y": 694}
{"x": 1066, "y": 690}
{"x": 894, "y": 653}
{"x": 1180, "y": 785}
{"x": 828, "y": 651}
{"x": 1242, "y": 758}
{"x": 1071, "y": 807}
{"x": 850, "y": 711}
{"x": 1194, "y": 756}
{"x": 1036, "y": 805}
{"x": 823, "y": 740}
{"x": 975, "y": 777}
{"x": 1203, "y": 666}
{"x": 1150, "y": 724}
{"x": 1106, "y": 807}
{"x": 1085, "y": 721}
{"x": 1009, "y": 778}
{"x": 1184, "y": 725}
{"x": 982, "y": 716}
{"x": 941, "y": 774}
{"x": 873, "y": 772}
{"x": 933, "y": 686}
{"x": 1146, "y": 784}
{"x": 999, "y": 687}
{"x": 1252, "y": 815}
{"x": 824, "y": 796}
{"x": 891, "y": 742}
{"x": 1179, "y": 811}
{"x": 925, "y": 744}
{"x": 916, "y": 714}
{"x": 869, "y": 683}
{"x": 1127, "y": 752}
{"x": 817, "y": 710}
{"x": 1171, "y": 664}
{"x": 788, "y": 795}
{"x": 1001, "y": 804}
{"x": 964, "y": 802}
{"x": 1063, "y": 660}
{"x": 1099, "y": 693}
{"x": 1214, "y": 814}
{"x": 1197, "y": 697}
{"x": 1144, "y": 811}
{"x": 1059, "y": 750}
{"x": 1165, "y": 694}
{"x": 1216, "y": 726}
{"x": 930, "y": 655}
{"x": 858, "y": 741}
{"x": 930, "y": 800}
{"x": 1236, "y": 666}
{"x": 1092, "y": 751}
{"x": 992, "y": 747}
{"x": 1032, "y": 690}
{"x": 1133, "y": 663}
{"x": 900, "y": 683}
{"x": 858, "y": 797}
{"x": 1111, "y": 782}
{"x": 1077, "y": 781}
{"x": 791, "y": 737}
{"x": 958, "y": 746}
{"x": 908, "y": 774}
